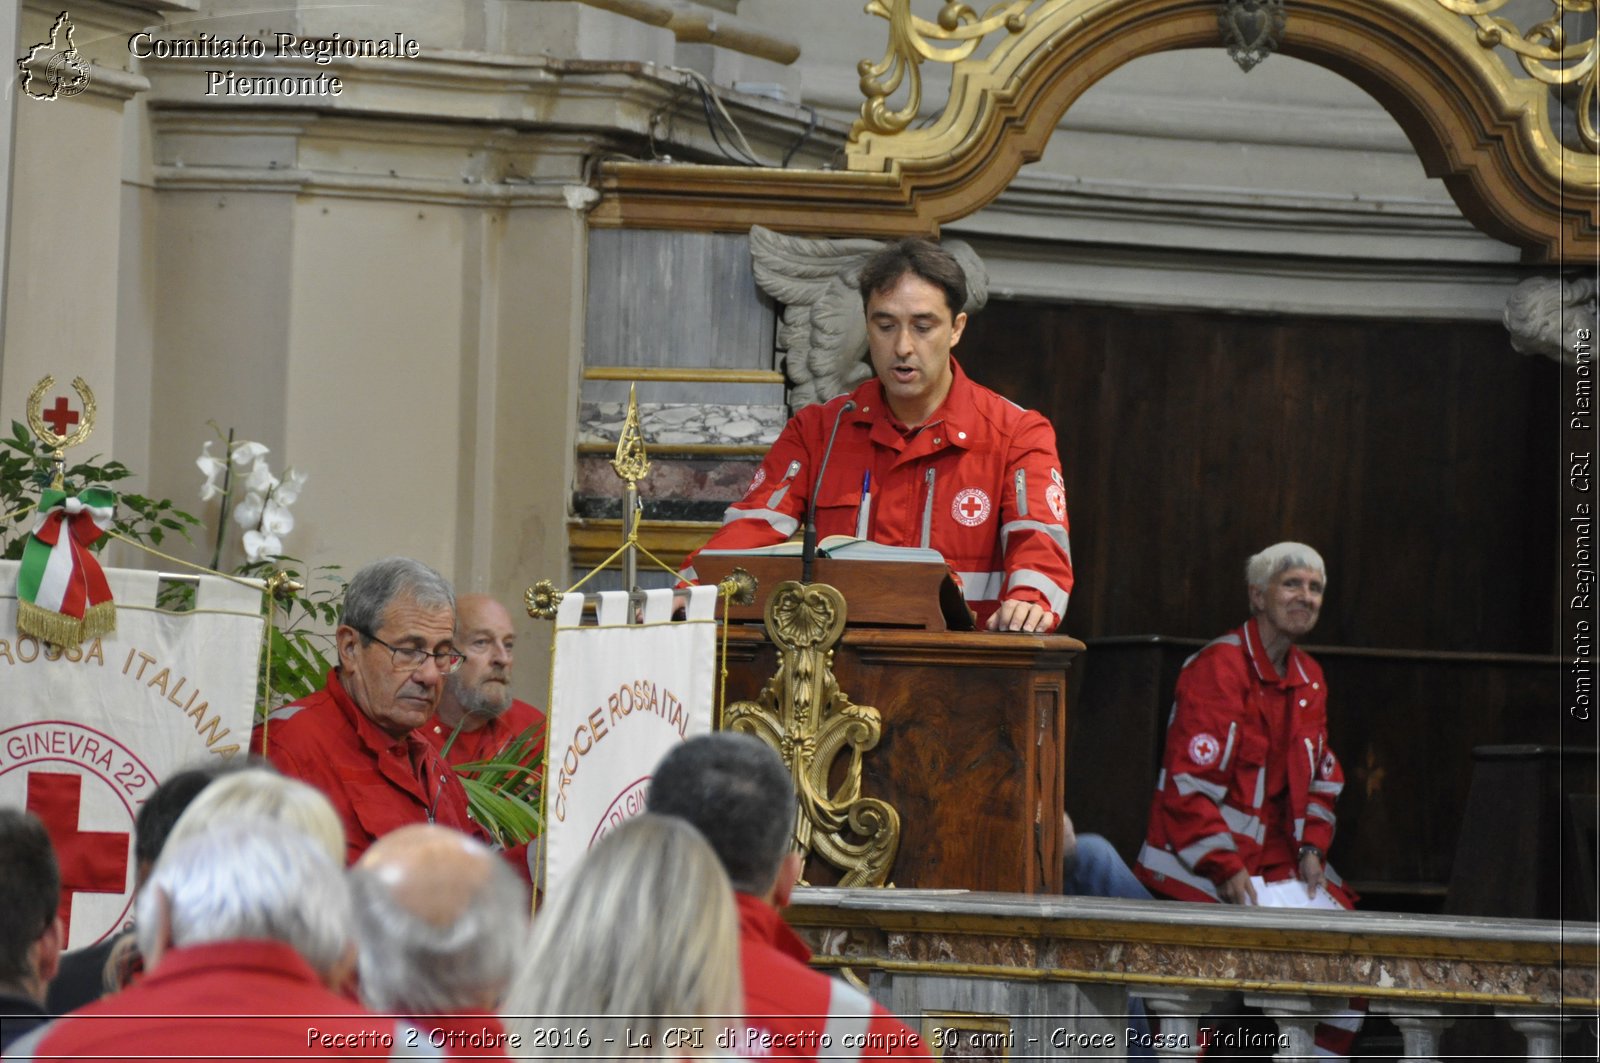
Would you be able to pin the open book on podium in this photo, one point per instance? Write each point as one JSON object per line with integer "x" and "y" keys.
{"x": 883, "y": 586}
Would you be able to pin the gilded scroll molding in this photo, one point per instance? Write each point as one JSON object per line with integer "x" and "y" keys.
{"x": 1475, "y": 122}
{"x": 950, "y": 38}
{"x": 1544, "y": 50}
{"x": 802, "y": 713}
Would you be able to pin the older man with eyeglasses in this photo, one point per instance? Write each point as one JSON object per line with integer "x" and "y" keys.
{"x": 356, "y": 739}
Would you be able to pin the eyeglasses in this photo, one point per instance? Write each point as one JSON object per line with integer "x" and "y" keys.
{"x": 408, "y": 659}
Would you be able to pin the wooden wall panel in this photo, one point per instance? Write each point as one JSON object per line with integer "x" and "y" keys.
{"x": 1421, "y": 459}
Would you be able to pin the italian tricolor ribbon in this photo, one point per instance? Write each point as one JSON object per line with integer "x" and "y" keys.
{"x": 63, "y": 595}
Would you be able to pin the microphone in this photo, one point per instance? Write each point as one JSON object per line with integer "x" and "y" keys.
{"x": 808, "y": 544}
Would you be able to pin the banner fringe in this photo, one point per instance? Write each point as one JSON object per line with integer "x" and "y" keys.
{"x": 59, "y": 629}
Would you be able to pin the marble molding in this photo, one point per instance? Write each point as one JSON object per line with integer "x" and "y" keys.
{"x": 676, "y": 489}
{"x": 668, "y": 424}
{"x": 1479, "y": 961}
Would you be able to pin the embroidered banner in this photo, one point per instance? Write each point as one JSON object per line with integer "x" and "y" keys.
{"x": 621, "y": 696}
{"x": 87, "y": 732}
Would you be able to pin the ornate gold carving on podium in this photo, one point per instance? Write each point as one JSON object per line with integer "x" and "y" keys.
{"x": 802, "y": 713}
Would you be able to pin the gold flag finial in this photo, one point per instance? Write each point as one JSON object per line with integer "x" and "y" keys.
{"x": 60, "y": 417}
{"x": 631, "y": 462}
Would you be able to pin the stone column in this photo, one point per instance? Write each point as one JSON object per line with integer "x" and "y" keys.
{"x": 1297, "y": 1017}
{"x": 1420, "y": 1025}
{"x": 1180, "y": 1010}
{"x": 1542, "y": 1029}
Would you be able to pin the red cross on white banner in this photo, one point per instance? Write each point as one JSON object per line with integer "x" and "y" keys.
{"x": 91, "y": 861}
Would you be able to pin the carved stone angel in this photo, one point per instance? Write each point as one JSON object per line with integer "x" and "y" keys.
{"x": 824, "y": 332}
{"x": 1546, "y": 315}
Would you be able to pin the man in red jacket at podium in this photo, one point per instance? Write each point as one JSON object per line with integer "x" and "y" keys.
{"x": 924, "y": 457}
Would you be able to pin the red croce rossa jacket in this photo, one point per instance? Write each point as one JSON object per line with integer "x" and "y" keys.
{"x": 1212, "y": 814}
{"x": 979, "y": 482}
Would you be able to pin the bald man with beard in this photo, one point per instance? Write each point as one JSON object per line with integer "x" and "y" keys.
{"x": 440, "y": 921}
{"x": 477, "y": 716}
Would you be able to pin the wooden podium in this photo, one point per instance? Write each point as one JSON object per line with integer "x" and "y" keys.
{"x": 969, "y": 749}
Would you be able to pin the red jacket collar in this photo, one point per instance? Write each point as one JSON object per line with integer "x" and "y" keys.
{"x": 1256, "y": 650}
{"x": 760, "y": 921}
{"x": 958, "y": 412}
{"x": 203, "y": 961}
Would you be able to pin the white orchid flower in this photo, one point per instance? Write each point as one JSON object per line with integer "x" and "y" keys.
{"x": 247, "y": 513}
{"x": 260, "y": 481}
{"x": 245, "y": 452}
{"x": 289, "y": 489}
{"x": 212, "y": 467}
{"x": 258, "y": 546}
{"x": 276, "y": 519}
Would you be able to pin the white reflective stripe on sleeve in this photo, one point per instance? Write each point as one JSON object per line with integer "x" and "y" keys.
{"x": 1313, "y": 809}
{"x": 1299, "y": 829}
{"x": 781, "y": 523}
{"x": 1311, "y": 757}
{"x": 1021, "y": 482}
{"x": 1191, "y": 854}
{"x": 1261, "y": 788}
{"x": 1161, "y": 779}
{"x": 1227, "y": 750}
{"x": 1053, "y": 594}
{"x": 1192, "y": 784}
{"x": 777, "y": 496}
{"x": 1244, "y": 823}
{"x": 688, "y": 574}
{"x": 1327, "y": 873}
{"x": 849, "y": 1018}
{"x": 1057, "y": 533}
{"x": 927, "y": 512}
{"x": 284, "y": 712}
{"x": 1331, "y": 789}
{"x": 1164, "y": 863}
{"x": 981, "y": 586}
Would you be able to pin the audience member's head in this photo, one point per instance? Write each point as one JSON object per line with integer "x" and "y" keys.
{"x": 247, "y": 879}
{"x": 1285, "y": 584}
{"x": 159, "y": 814}
{"x": 440, "y": 921}
{"x": 264, "y": 794}
{"x": 30, "y": 893}
{"x": 641, "y": 937}
{"x": 480, "y": 690}
{"x": 396, "y": 642}
{"x": 735, "y": 790}
{"x": 1277, "y": 559}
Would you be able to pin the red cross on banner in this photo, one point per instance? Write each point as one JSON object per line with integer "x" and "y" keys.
{"x": 61, "y": 418}
{"x": 91, "y": 861}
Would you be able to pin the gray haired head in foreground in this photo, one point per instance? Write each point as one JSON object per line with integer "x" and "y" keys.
{"x": 376, "y": 585}
{"x": 248, "y": 879}
{"x": 735, "y": 790}
{"x": 413, "y": 965}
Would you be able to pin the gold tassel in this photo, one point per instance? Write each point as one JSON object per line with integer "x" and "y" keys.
{"x": 59, "y": 629}
{"x": 98, "y": 620}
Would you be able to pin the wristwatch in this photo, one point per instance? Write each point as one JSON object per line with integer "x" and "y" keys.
{"x": 1314, "y": 851}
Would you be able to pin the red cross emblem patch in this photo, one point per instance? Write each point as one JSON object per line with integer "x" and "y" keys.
{"x": 1057, "y": 499}
{"x": 1203, "y": 749}
{"x": 757, "y": 480}
{"x": 1327, "y": 765}
{"x": 971, "y": 507}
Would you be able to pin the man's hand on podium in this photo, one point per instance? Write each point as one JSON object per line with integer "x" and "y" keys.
{"x": 1015, "y": 615}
